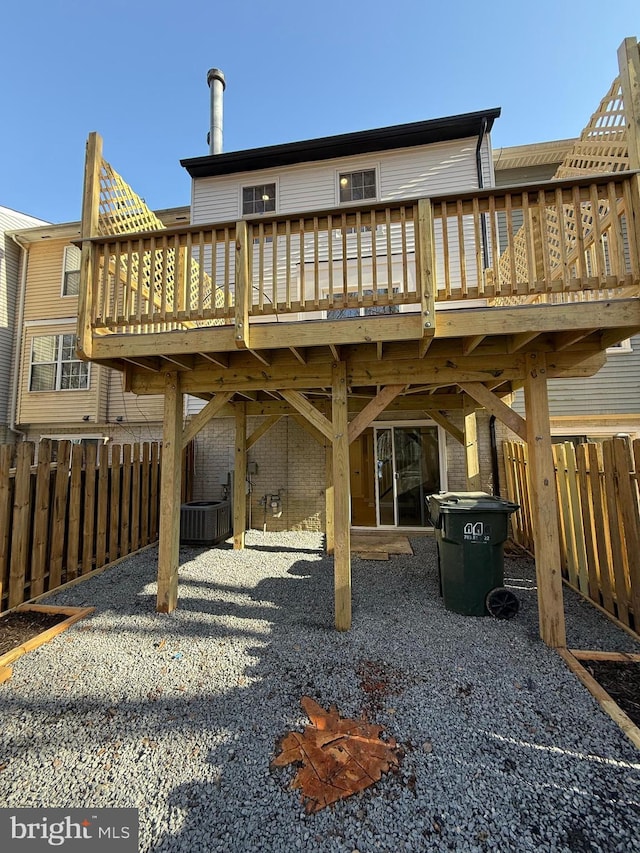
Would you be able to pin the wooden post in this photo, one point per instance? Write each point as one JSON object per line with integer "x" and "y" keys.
{"x": 629, "y": 65}
{"x": 240, "y": 478}
{"x": 242, "y": 285}
{"x": 89, "y": 228}
{"x": 425, "y": 257}
{"x": 341, "y": 498}
{"x": 329, "y": 498}
{"x": 544, "y": 512}
{"x": 169, "y": 547}
{"x": 21, "y": 525}
{"x": 472, "y": 459}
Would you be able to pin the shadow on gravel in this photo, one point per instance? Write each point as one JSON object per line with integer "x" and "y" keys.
{"x": 184, "y": 722}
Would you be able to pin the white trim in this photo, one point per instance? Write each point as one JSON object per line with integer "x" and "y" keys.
{"x": 61, "y": 321}
{"x": 58, "y": 363}
{"x": 78, "y": 437}
{"x": 623, "y": 346}
{"x": 65, "y": 271}
{"x": 375, "y": 167}
{"x": 242, "y": 186}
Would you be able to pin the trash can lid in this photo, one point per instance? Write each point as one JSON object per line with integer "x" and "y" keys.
{"x": 469, "y": 502}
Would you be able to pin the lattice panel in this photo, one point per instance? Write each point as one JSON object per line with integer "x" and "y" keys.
{"x": 602, "y": 148}
{"x": 122, "y": 211}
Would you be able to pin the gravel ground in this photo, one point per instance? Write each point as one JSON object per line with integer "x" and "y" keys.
{"x": 179, "y": 715}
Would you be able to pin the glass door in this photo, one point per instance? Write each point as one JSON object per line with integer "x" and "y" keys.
{"x": 407, "y": 470}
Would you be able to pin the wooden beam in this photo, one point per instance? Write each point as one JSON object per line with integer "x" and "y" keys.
{"x": 309, "y": 428}
{"x": 629, "y": 65}
{"x": 242, "y": 286}
{"x": 263, "y": 429}
{"x": 472, "y": 457}
{"x": 221, "y": 359}
{"x": 471, "y": 343}
{"x": 262, "y": 357}
{"x": 185, "y": 362}
{"x": 328, "y": 499}
{"x": 544, "y": 508}
{"x": 170, "y": 481}
{"x": 372, "y": 410}
{"x": 564, "y": 340}
{"x": 425, "y": 266}
{"x": 309, "y": 411}
{"x": 203, "y": 417}
{"x": 423, "y": 346}
{"x": 88, "y": 229}
{"x": 341, "y": 499}
{"x": 240, "y": 478}
{"x": 298, "y": 355}
{"x": 335, "y": 351}
{"x": 614, "y": 336}
{"x": 493, "y": 404}
{"x": 148, "y": 363}
{"x": 446, "y": 425}
{"x": 520, "y": 340}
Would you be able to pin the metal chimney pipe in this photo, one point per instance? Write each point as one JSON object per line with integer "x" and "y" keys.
{"x": 215, "y": 79}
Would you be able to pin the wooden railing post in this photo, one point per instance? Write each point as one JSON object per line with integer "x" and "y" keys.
{"x": 425, "y": 266}
{"x": 89, "y": 228}
{"x": 242, "y": 285}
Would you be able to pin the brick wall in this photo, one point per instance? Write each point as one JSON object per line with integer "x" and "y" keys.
{"x": 288, "y": 462}
{"x": 456, "y": 466}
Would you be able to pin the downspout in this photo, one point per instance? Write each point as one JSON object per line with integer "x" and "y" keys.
{"x": 17, "y": 355}
{"x": 483, "y": 224}
{"x": 495, "y": 470}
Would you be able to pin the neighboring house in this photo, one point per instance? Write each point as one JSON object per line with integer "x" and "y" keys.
{"x": 9, "y": 286}
{"x": 58, "y": 395}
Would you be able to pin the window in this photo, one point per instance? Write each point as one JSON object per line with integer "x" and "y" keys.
{"x": 71, "y": 271}
{"x": 355, "y": 186}
{"x": 258, "y": 199}
{"x": 55, "y": 366}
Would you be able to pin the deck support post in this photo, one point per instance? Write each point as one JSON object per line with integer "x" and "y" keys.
{"x": 89, "y": 228}
{"x": 341, "y": 498}
{"x": 240, "y": 478}
{"x": 328, "y": 487}
{"x": 472, "y": 458}
{"x": 544, "y": 510}
{"x": 171, "y": 479}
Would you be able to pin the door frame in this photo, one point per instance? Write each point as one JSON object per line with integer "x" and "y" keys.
{"x": 442, "y": 461}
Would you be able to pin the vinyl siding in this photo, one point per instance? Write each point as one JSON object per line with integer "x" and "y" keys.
{"x": 427, "y": 170}
{"x": 53, "y": 407}
{"x": 614, "y": 390}
{"x": 43, "y": 300}
{"x": 9, "y": 285}
{"x": 130, "y": 407}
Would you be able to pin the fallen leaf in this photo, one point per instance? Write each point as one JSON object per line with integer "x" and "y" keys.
{"x": 338, "y": 756}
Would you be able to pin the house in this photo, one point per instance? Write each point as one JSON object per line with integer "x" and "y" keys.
{"x": 9, "y": 289}
{"x": 57, "y": 395}
{"x": 360, "y": 282}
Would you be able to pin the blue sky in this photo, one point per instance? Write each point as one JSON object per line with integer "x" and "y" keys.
{"x": 136, "y": 72}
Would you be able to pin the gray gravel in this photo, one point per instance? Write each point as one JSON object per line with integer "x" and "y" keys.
{"x": 179, "y": 715}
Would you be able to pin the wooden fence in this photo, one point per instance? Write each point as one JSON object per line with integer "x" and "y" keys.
{"x": 76, "y": 509}
{"x": 598, "y": 519}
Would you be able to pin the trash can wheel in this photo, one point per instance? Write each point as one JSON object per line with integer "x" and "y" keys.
{"x": 502, "y": 603}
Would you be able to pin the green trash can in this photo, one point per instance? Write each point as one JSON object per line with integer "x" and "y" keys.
{"x": 470, "y": 529}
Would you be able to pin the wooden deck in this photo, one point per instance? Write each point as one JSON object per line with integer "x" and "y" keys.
{"x": 436, "y": 304}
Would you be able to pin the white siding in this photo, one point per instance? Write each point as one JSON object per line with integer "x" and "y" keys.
{"x": 9, "y": 283}
{"x": 427, "y": 170}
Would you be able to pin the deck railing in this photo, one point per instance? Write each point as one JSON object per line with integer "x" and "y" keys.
{"x": 558, "y": 241}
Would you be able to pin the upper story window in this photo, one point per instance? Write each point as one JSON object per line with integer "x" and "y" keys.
{"x": 258, "y": 199}
{"x": 71, "y": 271}
{"x": 356, "y": 186}
{"x": 55, "y": 365}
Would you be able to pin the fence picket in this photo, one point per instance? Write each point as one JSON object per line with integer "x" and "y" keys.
{"x": 41, "y": 519}
{"x": 21, "y": 524}
{"x": 88, "y": 540}
{"x": 75, "y": 506}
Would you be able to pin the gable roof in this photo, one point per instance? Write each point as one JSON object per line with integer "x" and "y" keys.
{"x": 343, "y": 145}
